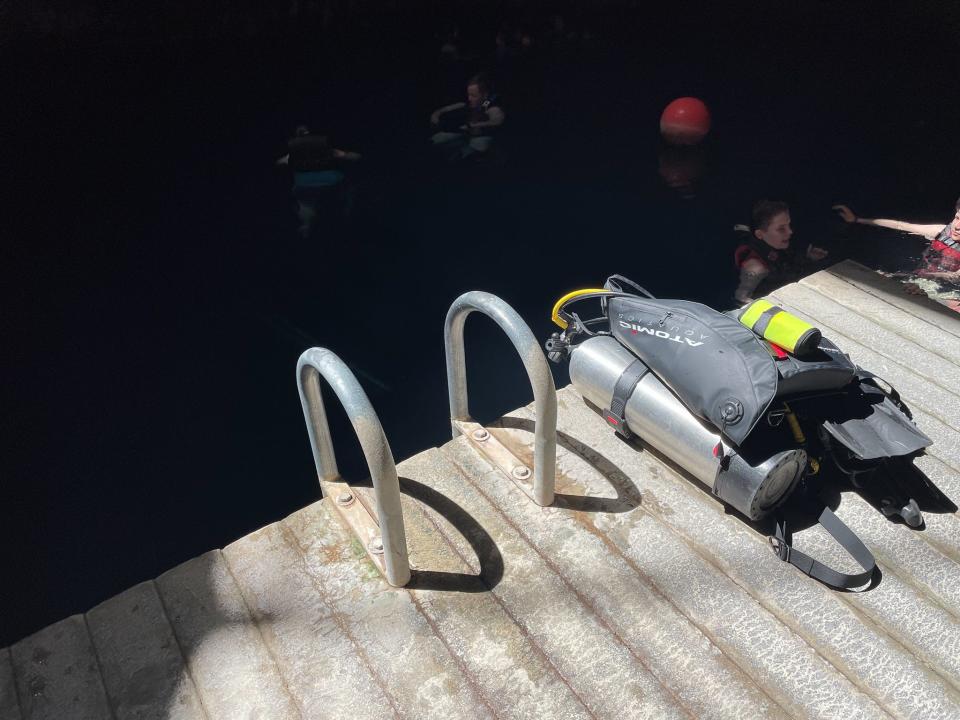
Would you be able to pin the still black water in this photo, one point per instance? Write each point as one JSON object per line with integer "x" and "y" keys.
{"x": 156, "y": 294}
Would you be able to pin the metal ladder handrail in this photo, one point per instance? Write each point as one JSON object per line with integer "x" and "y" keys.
{"x": 383, "y": 470}
{"x": 538, "y": 371}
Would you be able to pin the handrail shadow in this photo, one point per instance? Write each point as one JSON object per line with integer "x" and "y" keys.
{"x": 482, "y": 544}
{"x": 628, "y": 494}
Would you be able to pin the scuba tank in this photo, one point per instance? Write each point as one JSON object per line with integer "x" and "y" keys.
{"x": 746, "y": 418}
{"x": 655, "y": 414}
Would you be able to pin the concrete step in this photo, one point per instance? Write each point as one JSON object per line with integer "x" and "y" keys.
{"x": 907, "y": 553}
{"x": 831, "y": 639}
{"x": 942, "y": 529}
{"x": 225, "y": 654}
{"x": 861, "y": 303}
{"x": 592, "y": 659}
{"x": 940, "y": 474}
{"x": 657, "y": 633}
{"x": 311, "y": 643}
{"x": 946, "y": 440}
{"x": 140, "y": 662}
{"x": 330, "y": 619}
{"x": 57, "y": 674}
{"x": 457, "y": 566}
{"x": 9, "y": 704}
{"x": 890, "y": 293}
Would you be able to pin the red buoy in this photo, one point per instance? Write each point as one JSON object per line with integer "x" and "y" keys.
{"x": 685, "y": 121}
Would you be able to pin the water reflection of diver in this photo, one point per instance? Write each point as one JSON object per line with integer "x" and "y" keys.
{"x": 318, "y": 176}
{"x": 941, "y": 259}
{"x": 763, "y": 255}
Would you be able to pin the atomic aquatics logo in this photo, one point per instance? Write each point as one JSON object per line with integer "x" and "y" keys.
{"x": 685, "y": 338}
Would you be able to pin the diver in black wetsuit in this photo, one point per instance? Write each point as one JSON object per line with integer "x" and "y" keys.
{"x": 318, "y": 175}
{"x": 468, "y": 129}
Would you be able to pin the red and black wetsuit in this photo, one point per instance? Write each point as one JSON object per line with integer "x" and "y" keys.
{"x": 943, "y": 255}
{"x": 783, "y": 266}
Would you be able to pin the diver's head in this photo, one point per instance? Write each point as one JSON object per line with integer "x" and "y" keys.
{"x": 955, "y": 225}
{"x": 771, "y": 223}
{"x": 301, "y": 131}
{"x": 478, "y": 90}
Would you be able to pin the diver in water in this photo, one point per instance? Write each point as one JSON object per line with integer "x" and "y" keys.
{"x": 941, "y": 259}
{"x": 764, "y": 257}
{"x": 468, "y": 129}
{"x": 318, "y": 176}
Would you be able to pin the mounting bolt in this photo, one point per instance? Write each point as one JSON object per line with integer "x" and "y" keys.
{"x": 521, "y": 472}
{"x": 481, "y": 435}
{"x": 345, "y": 499}
{"x": 376, "y": 546}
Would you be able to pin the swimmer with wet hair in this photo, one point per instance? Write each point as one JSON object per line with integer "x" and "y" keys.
{"x": 764, "y": 257}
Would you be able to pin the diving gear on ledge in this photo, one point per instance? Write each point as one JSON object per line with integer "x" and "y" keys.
{"x": 776, "y": 325}
{"x": 656, "y": 415}
{"x": 709, "y": 393}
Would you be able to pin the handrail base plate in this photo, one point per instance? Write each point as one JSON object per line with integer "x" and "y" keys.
{"x": 500, "y": 455}
{"x": 358, "y": 517}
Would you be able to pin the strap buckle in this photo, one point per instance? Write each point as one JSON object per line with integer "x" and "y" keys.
{"x": 780, "y": 548}
{"x": 619, "y": 423}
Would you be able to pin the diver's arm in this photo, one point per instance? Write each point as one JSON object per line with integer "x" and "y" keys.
{"x": 927, "y": 231}
{"x": 495, "y": 118}
{"x": 752, "y": 273}
{"x": 346, "y": 155}
{"x": 940, "y": 275}
{"x": 285, "y": 160}
{"x": 435, "y": 117}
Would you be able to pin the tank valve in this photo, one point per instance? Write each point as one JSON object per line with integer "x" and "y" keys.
{"x": 557, "y": 348}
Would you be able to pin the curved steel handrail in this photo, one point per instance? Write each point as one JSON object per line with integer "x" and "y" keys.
{"x": 383, "y": 471}
{"x": 544, "y": 390}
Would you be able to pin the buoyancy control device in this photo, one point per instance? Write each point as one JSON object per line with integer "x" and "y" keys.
{"x": 743, "y": 416}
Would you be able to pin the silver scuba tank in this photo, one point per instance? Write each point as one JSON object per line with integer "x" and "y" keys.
{"x": 654, "y": 413}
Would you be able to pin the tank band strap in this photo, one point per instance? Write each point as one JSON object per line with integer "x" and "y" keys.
{"x": 763, "y": 322}
{"x": 622, "y": 391}
{"x": 817, "y": 570}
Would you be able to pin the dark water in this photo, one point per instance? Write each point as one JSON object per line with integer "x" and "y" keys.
{"x": 156, "y": 294}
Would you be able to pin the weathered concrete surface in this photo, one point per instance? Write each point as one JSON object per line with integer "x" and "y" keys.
{"x": 140, "y": 660}
{"x": 890, "y": 294}
{"x": 232, "y": 668}
{"x": 310, "y": 642}
{"x": 637, "y": 594}
{"x": 9, "y": 705}
{"x": 904, "y": 323}
{"x": 456, "y": 552}
{"x": 660, "y": 637}
{"x": 873, "y": 659}
{"x": 57, "y": 674}
{"x": 594, "y": 662}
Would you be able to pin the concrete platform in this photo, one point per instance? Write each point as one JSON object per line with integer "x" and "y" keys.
{"x": 636, "y": 595}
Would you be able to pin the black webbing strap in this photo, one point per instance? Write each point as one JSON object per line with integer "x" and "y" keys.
{"x": 893, "y": 394}
{"x": 763, "y": 322}
{"x": 817, "y": 570}
{"x": 621, "y": 393}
